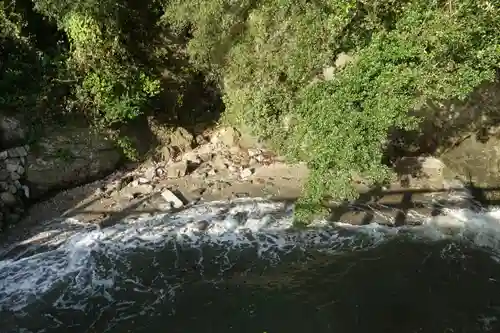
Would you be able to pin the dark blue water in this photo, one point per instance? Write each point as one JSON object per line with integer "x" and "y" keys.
{"x": 327, "y": 280}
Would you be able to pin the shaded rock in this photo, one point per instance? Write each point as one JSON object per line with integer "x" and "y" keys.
{"x": 171, "y": 198}
{"x": 8, "y": 198}
{"x": 12, "y": 131}
{"x": 18, "y": 151}
{"x": 12, "y": 165}
{"x": 182, "y": 139}
{"x": 4, "y": 174}
{"x": 12, "y": 219}
{"x": 478, "y": 164}
{"x": 167, "y": 153}
{"x": 69, "y": 157}
{"x": 202, "y": 225}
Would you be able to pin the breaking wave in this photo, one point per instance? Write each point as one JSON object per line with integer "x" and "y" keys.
{"x": 143, "y": 273}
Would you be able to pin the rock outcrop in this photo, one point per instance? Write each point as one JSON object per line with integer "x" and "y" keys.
{"x": 69, "y": 157}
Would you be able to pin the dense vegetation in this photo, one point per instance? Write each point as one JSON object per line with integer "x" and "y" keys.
{"x": 273, "y": 60}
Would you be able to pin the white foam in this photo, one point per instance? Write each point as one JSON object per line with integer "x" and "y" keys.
{"x": 267, "y": 229}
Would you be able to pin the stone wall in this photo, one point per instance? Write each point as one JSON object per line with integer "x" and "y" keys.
{"x": 13, "y": 193}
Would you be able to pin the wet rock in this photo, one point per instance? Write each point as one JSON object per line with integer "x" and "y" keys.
{"x": 202, "y": 225}
{"x": 233, "y": 221}
{"x": 171, "y": 198}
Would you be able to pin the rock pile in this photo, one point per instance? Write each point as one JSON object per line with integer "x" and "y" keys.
{"x": 13, "y": 193}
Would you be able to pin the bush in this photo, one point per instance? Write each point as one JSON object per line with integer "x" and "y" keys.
{"x": 109, "y": 85}
{"x": 406, "y": 52}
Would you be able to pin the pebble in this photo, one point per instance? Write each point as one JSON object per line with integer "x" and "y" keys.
{"x": 202, "y": 225}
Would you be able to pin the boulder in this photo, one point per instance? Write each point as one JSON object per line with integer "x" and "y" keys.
{"x": 172, "y": 199}
{"x": 177, "y": 169}
{"x": 181, "y": 140}
{"x": 477, "y": 162}
{"x": 68, "y": 157}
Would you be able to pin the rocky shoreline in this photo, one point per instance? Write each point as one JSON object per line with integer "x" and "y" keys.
{"x": 220, "y": 169}
{"x": 222, "y": 165}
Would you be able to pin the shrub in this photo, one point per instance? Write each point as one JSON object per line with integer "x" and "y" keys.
{"x": 406, "y": 52}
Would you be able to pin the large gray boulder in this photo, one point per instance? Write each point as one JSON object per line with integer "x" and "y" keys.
{"x": 68, "y": 157}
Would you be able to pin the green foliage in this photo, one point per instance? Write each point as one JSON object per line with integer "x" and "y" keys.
{"x": 274, "y": 60}
{"x": 16, "y": 66}
{"x": 112, "y": 87}
{"x": 405, "y": 53}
